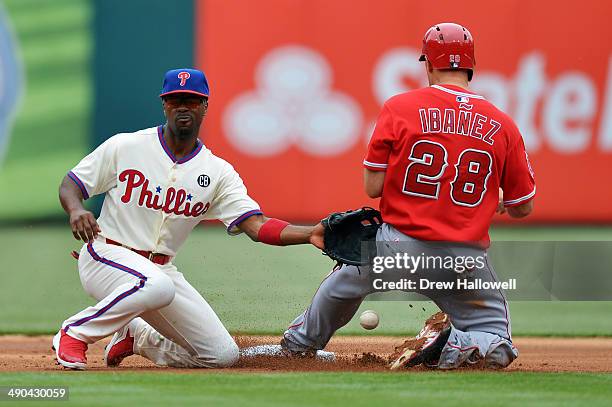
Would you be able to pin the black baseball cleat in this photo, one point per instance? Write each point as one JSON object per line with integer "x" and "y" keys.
{"x": 426, "y": 346}
{"x": 320, "y": 355}
{"x": 311, "y": 353}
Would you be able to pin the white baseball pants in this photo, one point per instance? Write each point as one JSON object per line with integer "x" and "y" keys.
{"x": 181, "y": 329}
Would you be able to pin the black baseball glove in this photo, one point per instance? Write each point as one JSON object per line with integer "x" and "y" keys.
{"x": 346, "y": 231}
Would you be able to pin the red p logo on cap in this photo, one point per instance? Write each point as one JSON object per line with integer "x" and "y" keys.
{"x": 183, "y": 76}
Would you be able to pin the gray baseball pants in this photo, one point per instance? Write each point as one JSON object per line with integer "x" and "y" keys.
{"x": 480, "y": 319}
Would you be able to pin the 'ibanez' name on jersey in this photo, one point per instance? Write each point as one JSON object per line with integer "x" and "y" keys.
{"x": 462, "y": 122}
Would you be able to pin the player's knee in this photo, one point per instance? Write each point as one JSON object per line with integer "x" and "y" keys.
{"x": 223, "y": 356}
{"x": 343, "y": 284}
{"x": 220, "y": 358}
{"x": 501, "y": 356}
{"x": 160, "y": 291}
{"x": 228, "y": 355}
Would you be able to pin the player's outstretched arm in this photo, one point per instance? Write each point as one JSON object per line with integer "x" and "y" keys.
{"x": 82, "y": 222}
{"x": 280, "y": 233}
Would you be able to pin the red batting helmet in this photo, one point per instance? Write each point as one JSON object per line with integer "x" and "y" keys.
{"x": 449, "y": 46}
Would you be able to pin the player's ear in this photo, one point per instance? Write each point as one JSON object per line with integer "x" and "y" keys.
{"x": 163, "y": 102}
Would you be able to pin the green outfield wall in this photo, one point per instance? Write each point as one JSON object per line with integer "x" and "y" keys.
{"x": 90, "y": 69}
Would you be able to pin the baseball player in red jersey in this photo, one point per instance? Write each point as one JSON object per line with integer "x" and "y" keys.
{"x": 440, "y": 159}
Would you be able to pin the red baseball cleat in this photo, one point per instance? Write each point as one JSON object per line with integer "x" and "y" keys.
{"x": 69, "y": 351}
{"x": 120, "y": 347}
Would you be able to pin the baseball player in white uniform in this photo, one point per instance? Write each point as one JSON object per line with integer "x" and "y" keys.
{"x": 159, "y": 183}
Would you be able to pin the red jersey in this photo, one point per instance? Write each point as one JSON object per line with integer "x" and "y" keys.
{"x": 446, "y": 152}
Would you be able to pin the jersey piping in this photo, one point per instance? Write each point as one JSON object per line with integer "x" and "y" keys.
{"x": 521, "y": 199}
{"x": 454, "y": 92}
{"x": 188, "y": 157}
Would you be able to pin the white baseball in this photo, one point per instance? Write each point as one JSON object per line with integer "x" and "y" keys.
{"x": 369, "y": 319}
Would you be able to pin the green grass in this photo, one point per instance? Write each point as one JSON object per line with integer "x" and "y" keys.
{"x": 254, "y": 288}
{"x": 49, "y": 134}
{"x": 320, "y": 389}
{"x": 20, "y": 177}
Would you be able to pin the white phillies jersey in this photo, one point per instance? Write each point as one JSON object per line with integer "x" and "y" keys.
{"x": 152, "y": 199}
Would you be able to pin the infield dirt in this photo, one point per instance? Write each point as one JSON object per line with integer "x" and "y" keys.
{"x": 354, "y": 353}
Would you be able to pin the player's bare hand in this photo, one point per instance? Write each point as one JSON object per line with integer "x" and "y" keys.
{"x": 84, "y": 225}
{"x": 316, "y": 236}
{"x": 501, "y": 209}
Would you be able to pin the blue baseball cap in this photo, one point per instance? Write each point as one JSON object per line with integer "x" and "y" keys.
{"x": 185, "y": 81}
